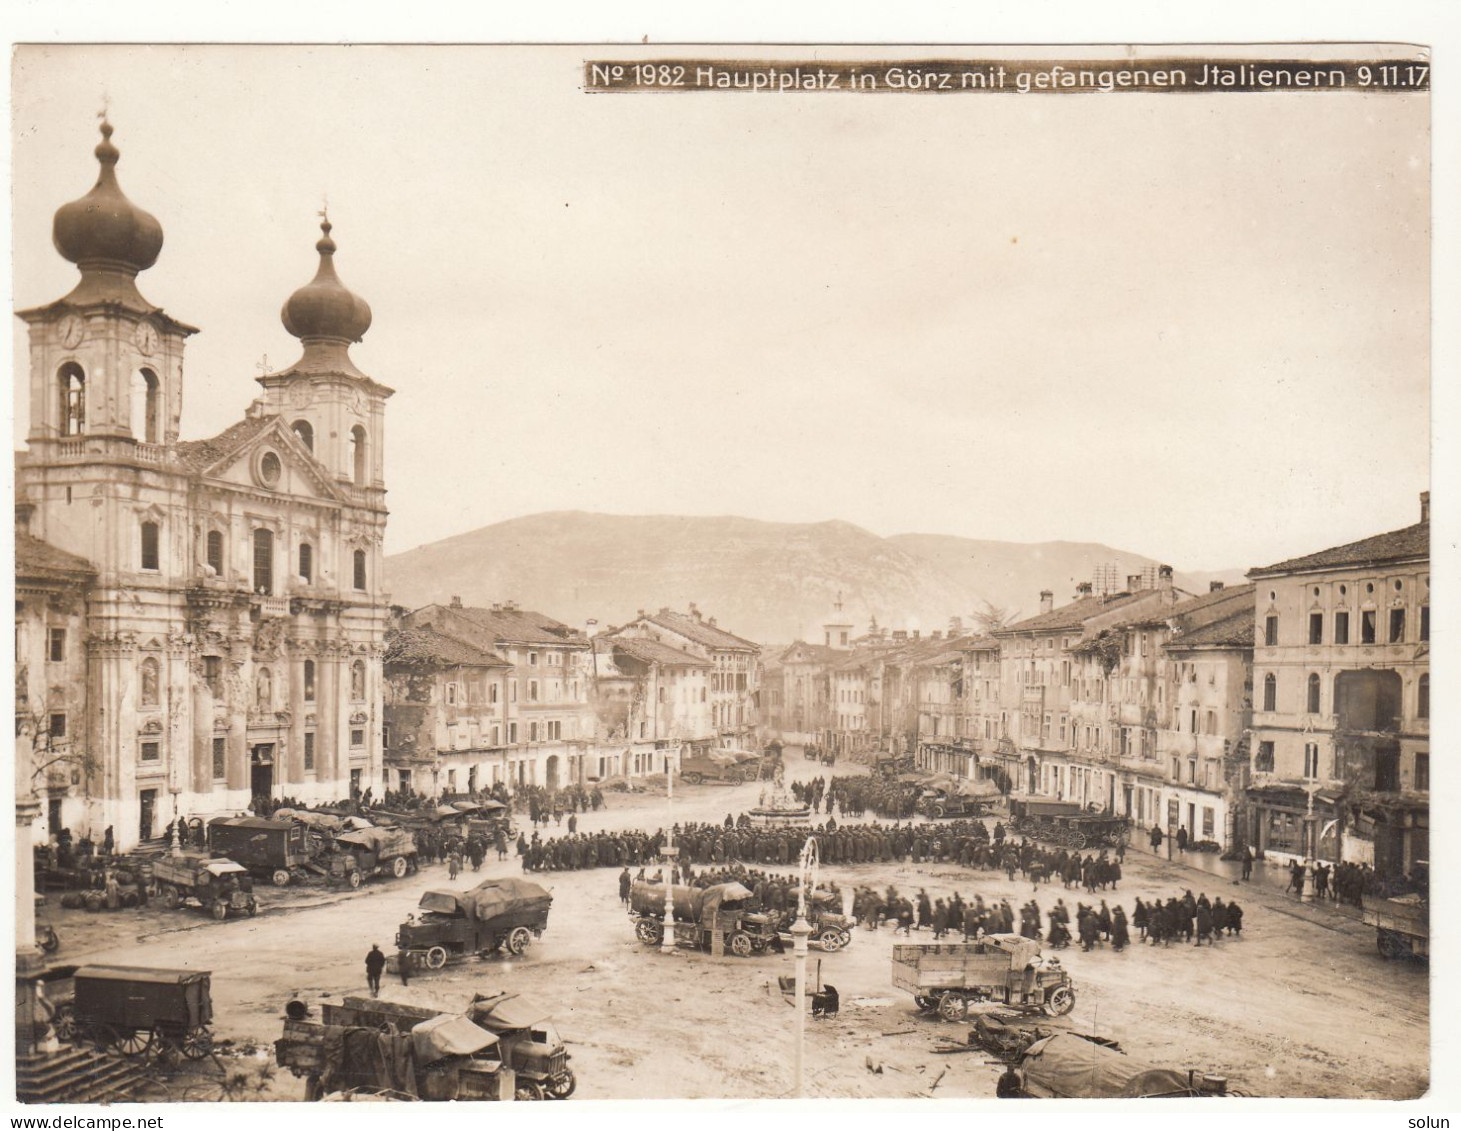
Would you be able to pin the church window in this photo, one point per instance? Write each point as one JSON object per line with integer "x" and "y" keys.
{"x": 149, "y": 545}
{"x": 1313, "y": 704}
{"x": 1423, "y": 700}
{"x": 220, "y": 758}
{"x": 73, "y": 399}
{"x": 309, "y": 751}
{"x": 358, "y": 455}
{"x": 270, "y": 469}
{"x": 57, "y": 649}
{"x": 309, "y": 681}
{"x": 146, "y": 407}
{"x": 306, "y": 562}
{"x": 151, "y": 752}
{"x": 215, "y": 551}
{"x": 305, "y": 431}
{"x": 1270, "y": 692}
{"x": 264, "y": 562}
{"x": 360, "y": 569}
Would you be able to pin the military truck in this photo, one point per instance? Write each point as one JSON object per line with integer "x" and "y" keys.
{"x": 196, "y": 879}
{"x": 727, "y": 766}
{"x": 278, "y": 850}
{"x": 701, "y": 915}
{"x": 1402, "y": 925}
{"x": 361, "y": 853}
{"x": 495, "y": 915}
{"x": 1005, "y": 969}
{"x": 831, "y": 930}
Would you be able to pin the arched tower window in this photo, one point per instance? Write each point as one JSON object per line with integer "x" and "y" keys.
{"x": 73, "y": 399}
{"x": 1313, "y": 704}
{"x": 360, "y": 569}
{"x": 359, "y": 467}
{"x": 146, "y": 407}
{"x": 264, "y": 562}
{"x": 150, "y": 542}
{"x": 1270, "y": 692}
{"x": 306, "y": 561}
{"x": 215, "y": 551}
{"x": 309, "y": 681}
{"x": 305, "y": 432}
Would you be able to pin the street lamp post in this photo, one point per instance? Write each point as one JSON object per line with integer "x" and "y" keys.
{"x": 667, "y": 944}
{"x": 800, "y": 931}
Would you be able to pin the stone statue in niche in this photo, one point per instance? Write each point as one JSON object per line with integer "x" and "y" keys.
{"x": 263, "y": 690}
{"x": 357, "y": 680}
{"x": 149, "y": 682}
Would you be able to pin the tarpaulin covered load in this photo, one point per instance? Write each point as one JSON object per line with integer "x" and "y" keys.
{"x": 499, "y": 897}
{"x": 449, "y": 1035}
{"x": 442, "y": 902}
{"x": 1069, "y": 1067}
{"x": 492, "y": 803}
{"x": 465, "y": 806}
{"x": 446, "y": 813}
{"x": 508, "y": 1011}
{"x": 649, "y": 899}
{"x": 977, "y": 787}
{"x": 379, "y": 841}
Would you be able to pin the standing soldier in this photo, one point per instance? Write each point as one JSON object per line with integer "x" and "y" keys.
{"x": 1247, "y": 862}
{"x": 375, "y": 964}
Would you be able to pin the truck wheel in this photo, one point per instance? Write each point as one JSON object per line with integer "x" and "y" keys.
{"x": 951, "y": 1007}
{"x": 528, "y": 1090}
{"x": 355, "y": 879}
{"x": 561, "y": 1087}
{"x": 220, "y": 911}
{"x": 1390, "y": 944}
{"x": 398, "y": 867}
{"x": 692, "y": 778}
{"x": 831, "y": 939}
{"x": 312, "y": 1089}
{"x": 1060, "y": 1001}
{"x": 740, "y": 944}
{"x": 436, "y": 958}
{"x": 519, "y": 939}
{"x": 940, "y": 811}
{"x": 648, "y": 931}
{"x": 171, "y": 898}
{"x": 925, "y": 1003}
{"x": 280, "y": 877}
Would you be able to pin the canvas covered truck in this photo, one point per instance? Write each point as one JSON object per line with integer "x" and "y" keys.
{"x": 729, "y": 766}
{"x": 360, "y": 854}
{"x": 966, "y": 797}
{"x": 279, "y": 850}
{"x": 1070, "y": 1066}
{"x": 219, "y": 886}
{"x": 700, "y": 916}
{"x": 496, "y": 915}
{"x": 1402, "y": 925}
{"x": 1004, "y": 969}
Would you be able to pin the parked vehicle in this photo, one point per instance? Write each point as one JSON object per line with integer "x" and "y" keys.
{"x": 1068, "y": 1066}
{"x": 1067, "y": 823}
{"x": 133, "y": 1010}
{"x": 361, "y": 853}
{"x": 700, "y": 915}
{"x": 280, "y": 851}
{"x": 496, "y": 915}
{"x": 831, "y": 930}
{"x": 715, "y": 766}
{"x": 219, "y": 886}
{"x": 451, "y": 1057}
{"x": 46, "y": 937}
{"x": 1402, "y": 925}
{"x": 970, "y": 797}
{"x": 1007, "y": 969}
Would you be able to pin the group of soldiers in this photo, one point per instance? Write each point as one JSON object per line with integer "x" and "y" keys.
{"x": 886, "y": 797}
{"x": 811, "y": 793}
{"x": 1194, "y": 920}
{"x": 544, "y": 805}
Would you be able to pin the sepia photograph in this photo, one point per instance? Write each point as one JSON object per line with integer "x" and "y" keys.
{"x": 737, "y": 572}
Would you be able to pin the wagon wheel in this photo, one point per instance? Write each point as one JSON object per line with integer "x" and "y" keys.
{"x": 951, "y": 1007}
{"x": 528, "y": 1090}
{"x": 561, "y": 1087}
{"x": 197, "y": 1043}
{"x": 649, "y": 931}
{"x": 63, "y": 1021}
{"x": 220, "y": 910}
{"x": 519, "y": 939}
{"x": 280, "y": 877}
{"x": 740, "y": 944}
{"x": 831, "y": 939}
{"x": 171, "y": 897}
{"x": 1060, "y": 1001}
{"x": 1078, "y": 839}
{"x": 1390, "y": 944}
{"x": 398, "y": 867}
{"x": 436, "y": 958}
{"x": 354, "y": 879}
{"x": 132, "y": 1042}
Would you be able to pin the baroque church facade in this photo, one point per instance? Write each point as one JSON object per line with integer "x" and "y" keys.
{"x": 199, "y": 622}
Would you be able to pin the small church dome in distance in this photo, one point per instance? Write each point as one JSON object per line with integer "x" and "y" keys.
{"x": 324, "y": 309}
{"x": 104, "y": 229}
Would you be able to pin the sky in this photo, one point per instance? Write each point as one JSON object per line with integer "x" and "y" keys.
{"x": 1192, "y": 327}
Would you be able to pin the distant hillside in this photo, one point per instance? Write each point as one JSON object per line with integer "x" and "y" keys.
{"x": 762, "y": 580}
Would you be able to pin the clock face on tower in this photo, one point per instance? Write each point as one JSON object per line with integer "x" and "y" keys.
{"x": 73, "y": 329}
{"x": 146, "y": 337}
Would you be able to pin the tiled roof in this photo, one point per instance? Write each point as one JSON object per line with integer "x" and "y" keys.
{"x": 650, "y": 651}
{"x": 813, "y": 654}
{"x": 490, "y": 628}
{"x": 1237, "y": 630}
{"x": 1074, "y": 614}
{"x": 701, "y": 632}
{"x": 422, "y": 644}
{"x": 196, "y": 455}
{"x": 1397, "y": 545}
{"x": 37, "y": 559}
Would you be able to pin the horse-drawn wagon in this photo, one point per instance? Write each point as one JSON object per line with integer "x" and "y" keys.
{"x": 134, "y": 1010}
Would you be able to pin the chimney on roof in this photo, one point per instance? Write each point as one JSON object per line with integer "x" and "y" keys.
{"x": 900, "y": 634}
{"x": 1425, "y": 506}
{"x": 694, "y": 610}
{"x": 1133, "y": 582}
{"x": 1082, "y": 590}
{"x": 641, "y": 612}
{"x": 916, "y": 634}
{"x": 497, "y": 606}
{"x": 935, "y": 635}
{"x": 1164, "y": 578}
{"x": 456, "y": 602}
{"x": 956, "y": 626}
{"x": 1214, "y": 586}
{"x": 1047, "y": 600}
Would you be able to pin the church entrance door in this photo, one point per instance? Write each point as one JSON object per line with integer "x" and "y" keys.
{"x": 261, "y": 767}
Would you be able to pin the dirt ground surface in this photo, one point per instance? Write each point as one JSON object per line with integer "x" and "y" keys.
{"x": 1301, "y": 1005}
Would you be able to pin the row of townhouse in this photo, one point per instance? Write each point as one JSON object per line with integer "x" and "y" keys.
{"x": 477, "y": 697}
{"x": 1290, "y": 714}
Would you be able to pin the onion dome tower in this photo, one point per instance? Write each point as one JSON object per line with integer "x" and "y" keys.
{"x": 335, "y": 409}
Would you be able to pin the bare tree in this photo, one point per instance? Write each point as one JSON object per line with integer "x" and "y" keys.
{"x": 991, "y": 617}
